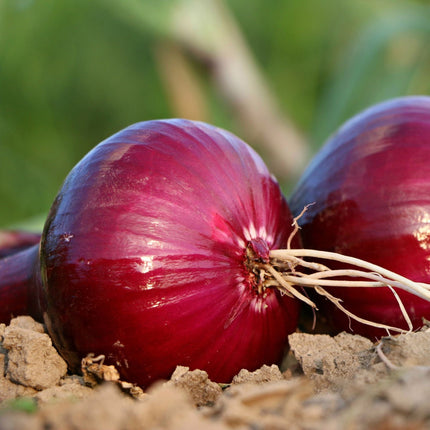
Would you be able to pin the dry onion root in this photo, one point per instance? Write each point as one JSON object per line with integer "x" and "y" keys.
{"x": 283, "y": 272}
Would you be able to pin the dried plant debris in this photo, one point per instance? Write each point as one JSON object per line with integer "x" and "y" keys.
{"x": 343, "y": 382}
{"x": 95, "y": 372}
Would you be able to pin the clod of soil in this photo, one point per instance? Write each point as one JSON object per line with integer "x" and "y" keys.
{"x": 26, "y": 343}
{"x": 336, "y": 383}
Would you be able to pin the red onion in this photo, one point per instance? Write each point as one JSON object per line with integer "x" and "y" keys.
{"x": 20, "y": 291}
{"x": 17, "y": 274}
{"x": 370, "y": 185}
{"x": 150, "y": 256}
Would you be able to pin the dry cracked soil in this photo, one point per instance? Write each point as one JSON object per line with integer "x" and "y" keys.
{"x": 325, "y": 382}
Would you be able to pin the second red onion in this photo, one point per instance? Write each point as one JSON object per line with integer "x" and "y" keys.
{"x": 370, "y": 185}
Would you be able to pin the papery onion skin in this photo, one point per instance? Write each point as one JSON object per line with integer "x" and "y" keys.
{"x": 143, "y": 255}
{"x": 370, "y": 189}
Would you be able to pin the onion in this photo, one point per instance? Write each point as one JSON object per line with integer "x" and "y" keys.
{"x": 148, "y": 252}
{"x": 370, "y": 189}
{"x": 17, "y": 274}
{"x": 20, "y": 292}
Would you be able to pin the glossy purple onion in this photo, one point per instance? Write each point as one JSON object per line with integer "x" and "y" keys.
{"x": 145, "y": 255}
{"x": 370, "y": 185}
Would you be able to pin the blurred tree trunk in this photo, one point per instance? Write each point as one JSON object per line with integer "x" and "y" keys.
{"x": 183, "y": 88}
{"x": 206, "y": 30}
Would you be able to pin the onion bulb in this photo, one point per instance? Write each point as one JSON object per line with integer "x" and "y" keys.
{"x": 147, "y": 255}
{"x": 370, "y": 192}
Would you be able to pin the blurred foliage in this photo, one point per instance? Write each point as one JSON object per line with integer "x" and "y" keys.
{"x": 73, "y": 72}
{"x": 19, "y": 404}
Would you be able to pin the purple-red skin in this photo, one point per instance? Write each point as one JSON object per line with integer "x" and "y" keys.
{"x": 143, "y": 255}
{"x": 370, "y": 185}
{"x": 20, "y": 292}
{"x": 18, "y": 276}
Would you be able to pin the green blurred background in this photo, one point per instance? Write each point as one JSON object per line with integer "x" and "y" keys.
{"x": 73, "y": 72}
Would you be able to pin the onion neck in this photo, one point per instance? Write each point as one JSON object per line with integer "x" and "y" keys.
{"x": 20, "y": 285}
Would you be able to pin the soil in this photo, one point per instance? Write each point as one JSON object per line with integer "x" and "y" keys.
{"x": 325, "y": 382}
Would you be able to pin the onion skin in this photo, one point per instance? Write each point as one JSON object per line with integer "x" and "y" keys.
{"x": 370, "y": 185}
{"x": 20, "y": 277}
{"x": 143, "y": 256}
{"x": 20, "y": 292}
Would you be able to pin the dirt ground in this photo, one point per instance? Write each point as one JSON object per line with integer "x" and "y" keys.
{"x": 341, "y": 382}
